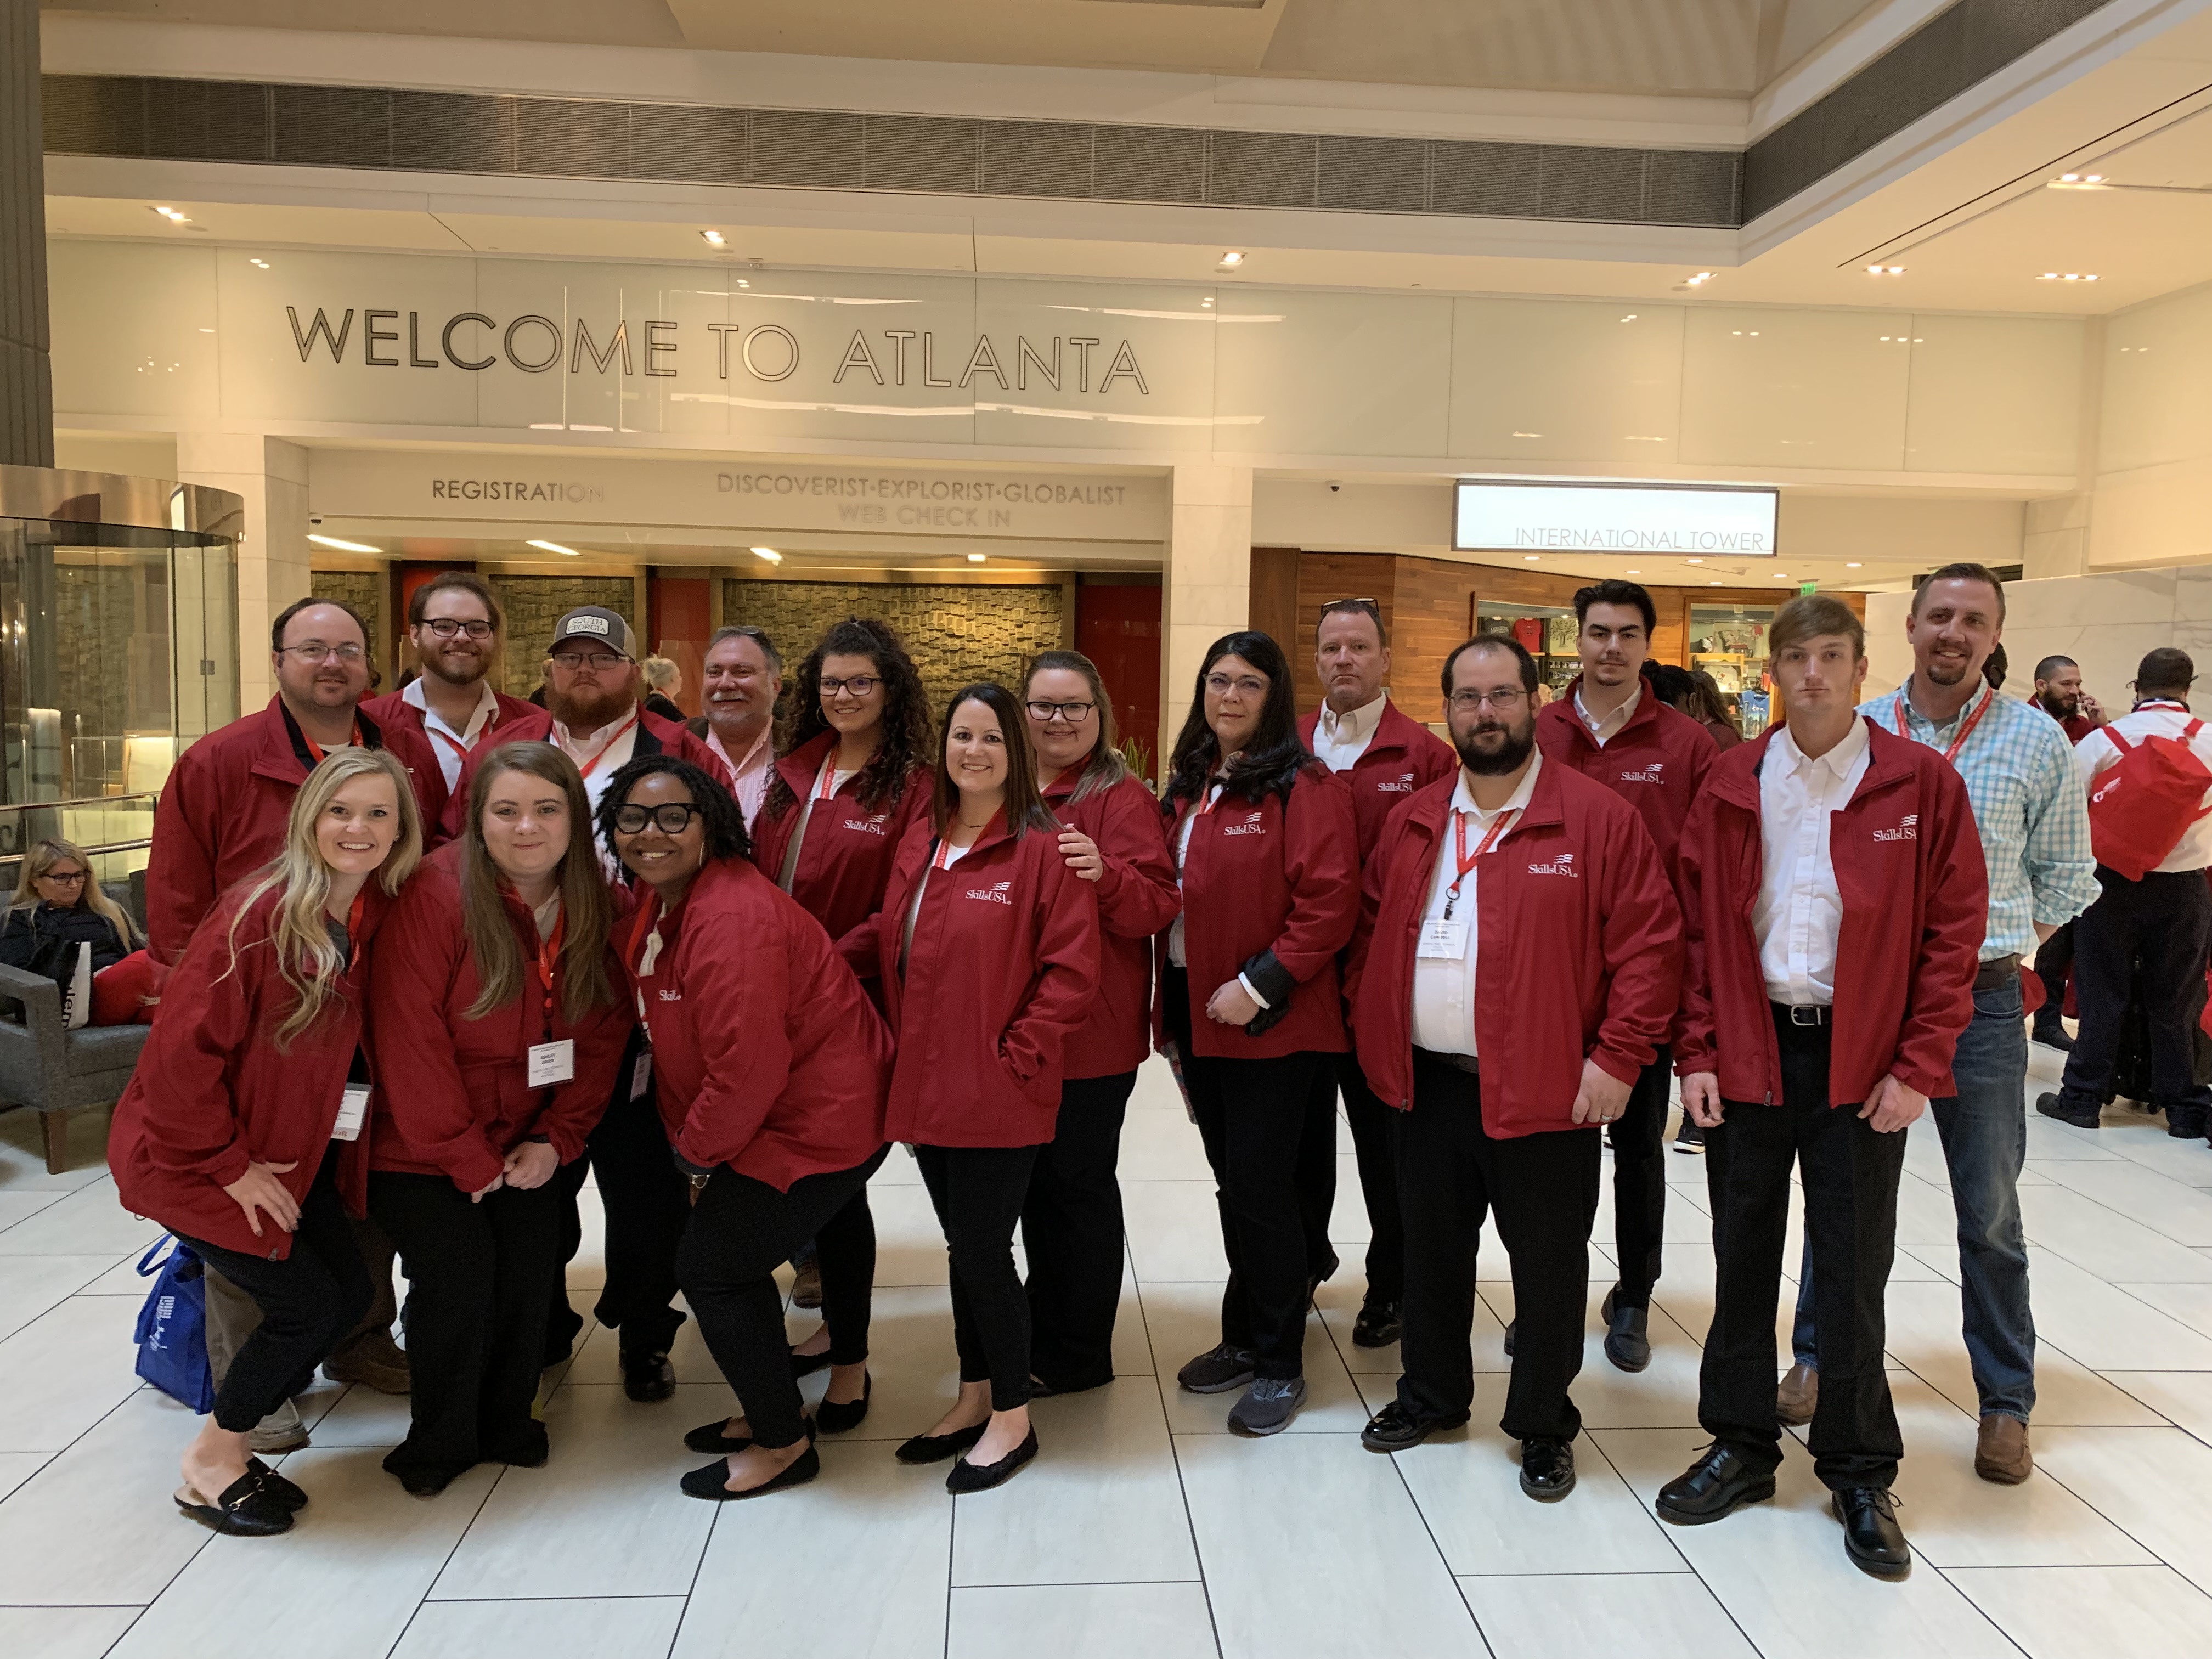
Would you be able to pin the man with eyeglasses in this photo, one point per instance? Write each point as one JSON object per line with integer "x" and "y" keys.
{"x": 1517, "y": 964}
{"x": 742, "y": 677}
{"x": 454, "y": 624}
{"x": 594, "y": 714}
{"x": 1613, "y": 729}
{"x": 1359, "y": 733}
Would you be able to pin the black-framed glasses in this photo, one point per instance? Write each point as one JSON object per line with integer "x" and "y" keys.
{"x": 1504, "y": 701}
{"x": 572, "y": 660}
{"x": 1222, "y": 685}
{"x": 859, "y": 686}
{"x": 1073, "y": 713}
{"x": 670, "y": 818}
{"x": 445, "y": 628}
{"x": 71, "y": 879}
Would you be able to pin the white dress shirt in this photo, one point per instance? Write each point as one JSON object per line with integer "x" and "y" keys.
{"x": 1605, "y": 727}
{"x": 2163, "y": 719}
{"x": 603, "y": 754}
{"x": 1800, "y": 909}
{"x": 789, "y": 873}
{"x": 751, "y": 774}
{"x": 1340, "y": 739}
{"x": 1443, "y": 986}
{"x": 451, "y": 747}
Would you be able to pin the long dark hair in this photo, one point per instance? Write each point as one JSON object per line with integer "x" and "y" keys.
{"x": 584, "y": 908}
{"x": 719, "y": 810}
{"x": 1103, "y": 767}
{"x": 1270, "y": 763}
{"x": 905, "y": 742}
{"x": 1024, "y": 809}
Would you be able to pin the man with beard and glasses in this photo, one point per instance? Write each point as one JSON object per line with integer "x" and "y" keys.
{"x": 593, "y": 713}
{"x": 2033, "y": 821}
{"x": 2058, "y": 693}
{"x": 454, "y": 624}
{"x": 1515, "y": 971}
{"x": 742, "y": 679}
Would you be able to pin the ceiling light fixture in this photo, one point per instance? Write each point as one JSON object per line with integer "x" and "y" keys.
{"x": 263, "y": 263}
{"x": 2080, "y": 177}
{"x": 715, "y": 239}
{"x": 1693, "y": 562}
{"x": 1233, "y": 258}
{"x": 171, "y": 215}
{"x": 2067, "y": 276}
{"x": 1630, "y": 317}
{"x": 343, "y": 547}
{"x": 975, "y": 558}
{"x": 1532, "y": 557}
{"x": 556, "y": 547}
{"x": 1702, "y": 277}
{"x": 1885, "y": 270}
{"x": 1714, "y": 583}
{"x": 769, "y": 554}
{"x": 1851, "y": 564}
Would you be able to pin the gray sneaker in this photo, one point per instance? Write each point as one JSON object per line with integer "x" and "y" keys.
{"x": 1217, "y": 1370}
{"x": 282, "y": 1431}
{"x": 1269, "y": 1406}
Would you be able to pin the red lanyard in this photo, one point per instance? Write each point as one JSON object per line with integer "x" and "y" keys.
{"x": 1966, "y": 727}
{"x": 945, "y": 851}
{"x": 549, "y": 960}
{"x": 648, "y": 911}
{"x": 322, "y": 754}
{"x": 607, "y": 747}
{"x": 1466, "y": 859}
{"x": 353, "y": 927}
{"x": 462, "y": 746}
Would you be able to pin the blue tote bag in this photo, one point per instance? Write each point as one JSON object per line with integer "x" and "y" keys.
{"x": 172, "y": 1333}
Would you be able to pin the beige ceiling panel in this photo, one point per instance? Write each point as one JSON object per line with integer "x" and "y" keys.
{"x": 246, "y": 221}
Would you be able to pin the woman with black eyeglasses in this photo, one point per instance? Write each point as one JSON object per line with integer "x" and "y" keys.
{"x": 1268, "y": 855}
{"x": 770, "y": 1066}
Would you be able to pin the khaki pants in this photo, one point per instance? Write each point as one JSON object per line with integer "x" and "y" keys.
{"x": 231, "y": 1315}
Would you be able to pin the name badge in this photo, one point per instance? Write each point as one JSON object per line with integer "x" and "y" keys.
{"x": 1443, "y": 940}
{"x": 641, "y": 1076}
{"x": 353, "y": 1112}
{"x": 552, "y": 1062}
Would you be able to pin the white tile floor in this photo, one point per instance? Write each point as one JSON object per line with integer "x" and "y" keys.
{"x": 1144, "y": 1529}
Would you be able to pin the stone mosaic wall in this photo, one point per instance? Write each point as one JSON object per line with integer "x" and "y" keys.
{"x": 533, "y": 604}
{"x": 364, "y": 590}
{"x": 956, "y": 634}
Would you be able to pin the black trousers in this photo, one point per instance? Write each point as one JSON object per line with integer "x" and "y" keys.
{"x": 2054, "y": 965}
{"x": 2163, "y": 923}
{"x": 1374, "y": 1140}
{"x": 1316, "y": 1175}
{"x": 1850, "y": 1173}
{"x": 310, "y": 1302}
{"x": 1543, "y": 1189}
{"x": 647, "y": 1201}
{"x": 738, "y": 1233}
{"x": 481, "y": 1276}
{"x": 1072, "y": 1229}
{"x": 1638, "y": 1138}
{"x": 978, "y": 1192}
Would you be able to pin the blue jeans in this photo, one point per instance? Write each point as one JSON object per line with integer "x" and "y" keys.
{"x": 1985, "y": 1130}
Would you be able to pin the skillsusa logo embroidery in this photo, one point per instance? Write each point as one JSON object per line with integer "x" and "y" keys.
{"x": 1648, "y": 774}
{"x": 1562, "y": 866}
{"x": 1403, "y": 787}
{"x": 672, "y": 996}
{"x": 1254, "y": 825}
{"x": 1001, "y": 894}
{"x": 872, "y": 825}
{"x": 1908, "y": 828}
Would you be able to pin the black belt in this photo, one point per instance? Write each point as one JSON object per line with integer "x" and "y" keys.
{"x": 1804, "y": 1014}
{"x": 1468, "y": 1063}
{"x": 1996, "y": 971}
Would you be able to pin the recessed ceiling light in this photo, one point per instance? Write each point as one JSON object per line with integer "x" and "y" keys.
{"x": 2080, "y": 177}
{"x": 263, "y": 263}
{"x": 975, "y": 558}
{"x": 715, "y": 239}
{"x": 556, "y": 547}
{"x": 1885, "y": 270}
{"x": 343, "y": 547}
{"x": 769, "y": 554}
{"x": 1630, "y": 317}
{"x": 1233, "y": 258}
{"x": 1693, "y": 562}
{"x": 2066, "y": 276}
{"x": 1527, "y": 434}
{"x": 171, "y": 215}
{"x": 1636, "y": 572}
{"x": 1532, "y": 557}
{"x": 1851, "y": 564}
{"x": 1782, "y": 575}
{"x": 1714, "y": 583}
{"x": 1207, "y": 301}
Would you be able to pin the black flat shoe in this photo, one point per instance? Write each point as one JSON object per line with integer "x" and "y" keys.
{"x": 712, "y": 1482}
{"x": 429, "y": 1479}
{"x": 2055, "y": 1106}
{"x": 532, "y": 1451}
{"x": 1721, "y": 1481}
{"x": 709, "y": 1437}
{"x": 968, "y": 1477}
{"x": 1397, "y": 1428}
{"x": 936, "y": 1448}
{"x": 831, "y": 1418}
{"x": 287, "y": 1492}
{"x": 805, "y": 1364}
{"x": 1548, "y": 1469}
{"x": 246, "y": 1509}
{"x": 647, "y": 1376}
{"x": 1378, "y": 1325}
{"x": 1627, "y": 1336}
{"x": 1872, "y": 1537}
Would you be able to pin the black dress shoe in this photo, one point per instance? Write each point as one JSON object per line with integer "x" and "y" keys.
{"x": 1378, "y": 1325}
{"x": 246, "y": 1509}
{"x": 710, "y": 1438}
{"x": 647, "y": 1376}
{"x": 1397, "y": 1428}
{"x": 1872, "y": 1537}
{"x": 936, "y": 1448}
{"x": 2055, "y": 1106}
{"x": 1548, "y": 1469}
{"x": 831, "y": 1418}
{"x": 1721, "y": 1481}
{"x": 1509, "y": 1324}
{"x": 967, "y": 1477}
{"x": 1628, "y": 1335}
{"x": 711, "y": 1481}
{"x": 429, "y": 1479}
{"x": 531, "y": 1450}
{"x": 805, "y": 1364}
{"x": 287, "y": 1492}
{"x": 2052, "y": 1035}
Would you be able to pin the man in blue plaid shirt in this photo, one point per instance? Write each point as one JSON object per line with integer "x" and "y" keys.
{"x": 2033, "y": 818}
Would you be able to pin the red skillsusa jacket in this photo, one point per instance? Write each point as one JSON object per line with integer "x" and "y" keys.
{"x": 212, "y": 1094}
{"x": 1656, "y": 762}
{"x": 655, "y": 736}
{"x": 1915, "y": 895}
{"x": 1402, "y": 756}
{"x": 1001, "y": 972}
{"x": 767, "y": 1055}
{"x": 455, "y": 1097}
{"x": 1579, "y": 950}
{"x": 1137, "y": 897}
{"x": 846, "y": 855}
{"x": 1269, "y": 876}
{"x": 223, "y": 812}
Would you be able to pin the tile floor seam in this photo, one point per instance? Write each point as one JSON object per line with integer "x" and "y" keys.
{"x": 1175, "y": 1455}
{"x": 1958, "y": 1590}
{"x": 431, "y": 1582}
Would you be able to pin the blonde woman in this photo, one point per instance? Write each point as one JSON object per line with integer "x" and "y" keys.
{"x": 59, "y": 906}
{"x": 244, "y": 1120}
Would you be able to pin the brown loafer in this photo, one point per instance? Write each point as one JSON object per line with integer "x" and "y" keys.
{"x": 2000, "y": 1451}
{"x": 1797, "y": 1395}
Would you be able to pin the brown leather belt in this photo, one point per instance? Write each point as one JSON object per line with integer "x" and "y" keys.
{"x": 1468, "y": 1063}
{"x": 1996, "y": 971}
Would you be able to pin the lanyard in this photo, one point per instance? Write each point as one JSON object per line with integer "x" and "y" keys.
{"x": 634, "y": 955}
{"x": 462, "y": 745}
{"x": 825, "y": 785}
{"x": 353, "y": 926}
{"x": 1966, "y": 727}
{"x": 549, "y": 961}
{"x": 593, "y": 765}
{"x": 1466, "y": 859}
{"x": 942, "y": 858}
{"x": 320, "y": 753}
